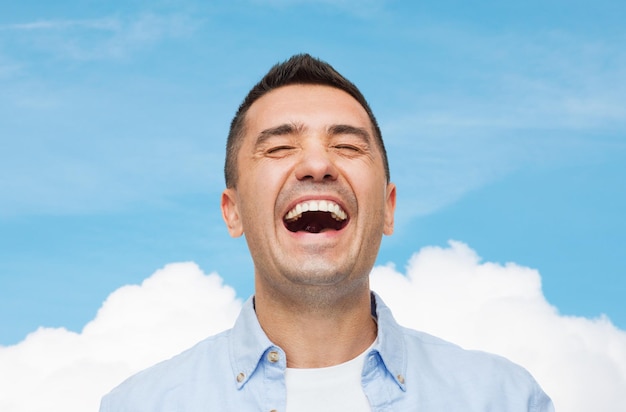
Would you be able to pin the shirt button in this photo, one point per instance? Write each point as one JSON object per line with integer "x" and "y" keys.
{"x": 273, "y": 356}
{"x": 241, "y": 377}
{"x": 401, "y": 379}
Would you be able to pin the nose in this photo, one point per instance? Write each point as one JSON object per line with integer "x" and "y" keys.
{"x": 316, "y": 164}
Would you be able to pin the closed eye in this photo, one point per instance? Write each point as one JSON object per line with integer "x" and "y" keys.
{"x": 278, "y": 150}
{"x": 348, "y": 149}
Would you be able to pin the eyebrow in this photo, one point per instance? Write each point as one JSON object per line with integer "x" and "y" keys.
{"x": 360, "y": 132}
{"x": 295, "y": 128}
{"x": 281, "y": 130}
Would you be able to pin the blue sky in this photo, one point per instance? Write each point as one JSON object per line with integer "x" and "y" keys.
{"x": 505, "y": 126}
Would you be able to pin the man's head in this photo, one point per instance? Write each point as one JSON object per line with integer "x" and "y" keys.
{"x": 299, "y": 69}
{"x": 312, "y": 194}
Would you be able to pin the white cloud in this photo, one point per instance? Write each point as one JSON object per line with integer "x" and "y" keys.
{"x": 581, "y": 363}
{"x": 102, "y": 38}
{"x": 358, "y": 8}
{"x": 526, "y": 101}
{"x": 108, "y": 24}
{"x": 449, "y": 292}
{"x": 137, "y": 326}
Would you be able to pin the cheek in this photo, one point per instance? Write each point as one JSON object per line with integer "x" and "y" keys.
{"x": 259, "y": 196}
{"x": 366, "y": 184}
{"x": 372, "y": 202}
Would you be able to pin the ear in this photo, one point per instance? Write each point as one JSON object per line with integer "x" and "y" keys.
{"x": 390, "y": 208}
{"x": 230, "y": 212}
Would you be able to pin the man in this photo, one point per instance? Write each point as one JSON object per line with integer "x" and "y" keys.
{"x": 308, "y": 184}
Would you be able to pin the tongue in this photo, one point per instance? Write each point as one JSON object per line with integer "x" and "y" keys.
{"x": 313, "y": 227}
{"x": 313, "y": 222}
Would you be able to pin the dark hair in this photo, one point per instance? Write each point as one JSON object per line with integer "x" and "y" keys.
{"x": 299, "y": 69}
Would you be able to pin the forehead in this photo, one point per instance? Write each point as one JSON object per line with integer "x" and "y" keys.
{"x": 313, "y": 106}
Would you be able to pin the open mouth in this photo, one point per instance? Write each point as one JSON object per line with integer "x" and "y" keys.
{"x": 315, "y": 216}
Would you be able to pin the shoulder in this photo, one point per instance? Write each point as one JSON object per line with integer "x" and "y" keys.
{"x": 471, "y": 374}
{"x": 151, "y": 387}
{"x": 443, "y": 354}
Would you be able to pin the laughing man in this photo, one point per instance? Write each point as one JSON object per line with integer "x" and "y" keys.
{"x": 307, "y": 183}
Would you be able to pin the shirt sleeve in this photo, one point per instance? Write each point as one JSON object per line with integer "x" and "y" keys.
{"x": 540, "y": 402}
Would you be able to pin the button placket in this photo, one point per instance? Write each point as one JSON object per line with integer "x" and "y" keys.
{"x": 274, "y": 364}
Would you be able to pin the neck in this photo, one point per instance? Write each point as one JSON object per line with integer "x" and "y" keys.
{"x": 318, "y": 335}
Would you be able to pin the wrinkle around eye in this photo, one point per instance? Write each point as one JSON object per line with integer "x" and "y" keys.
{"x": 348, "y": 147}
{"x": 279, "y": 151}
{"x": 350, "y": 150}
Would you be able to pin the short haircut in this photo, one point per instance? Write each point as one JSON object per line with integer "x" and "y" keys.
{"x": 299, "y": 69}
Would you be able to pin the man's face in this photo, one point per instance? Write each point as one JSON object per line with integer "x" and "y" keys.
{"x": 311, "y": 197}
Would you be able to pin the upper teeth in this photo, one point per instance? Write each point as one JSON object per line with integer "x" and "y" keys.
{"x": 317, "y": 205}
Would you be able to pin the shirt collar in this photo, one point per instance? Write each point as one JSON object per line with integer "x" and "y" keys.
{"x": 249, "y": 343}
{"x": 390, "y": 343}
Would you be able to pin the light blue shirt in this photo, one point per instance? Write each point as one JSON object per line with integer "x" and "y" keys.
{"x": 406, "y": 370}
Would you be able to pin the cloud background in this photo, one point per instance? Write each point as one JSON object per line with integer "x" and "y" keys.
{"x": 505, "y": 126}
{"x": 449, "y": 292}
{"x": 137, "y": 326}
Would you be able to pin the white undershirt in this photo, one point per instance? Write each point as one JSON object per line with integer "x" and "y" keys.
{"x": 332, "y": 389}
